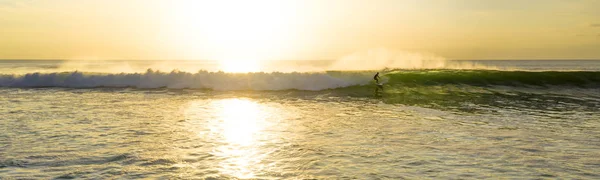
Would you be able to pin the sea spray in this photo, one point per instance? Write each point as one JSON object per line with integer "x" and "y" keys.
{"x": 380, "y": 58}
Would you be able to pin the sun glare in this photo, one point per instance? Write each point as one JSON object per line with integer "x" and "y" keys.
{"x": 240, "y": 66}
{"x": 239, "y": 34}
{"x": 240, "y": 120}
{"x": 237, "y": 129}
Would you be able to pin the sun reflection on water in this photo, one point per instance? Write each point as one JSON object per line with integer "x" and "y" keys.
{"x": 239, "y": 120}
{"x": 236, "y": 129}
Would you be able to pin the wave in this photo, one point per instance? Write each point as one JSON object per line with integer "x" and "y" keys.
{"x": 314, "y": 81}
{"x": 199, "y": 80}
{"x": 496, "y": 77}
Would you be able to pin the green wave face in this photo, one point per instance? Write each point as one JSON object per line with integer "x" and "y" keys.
{"x": 470, "y": 90}
{"x": 490, "y": 77}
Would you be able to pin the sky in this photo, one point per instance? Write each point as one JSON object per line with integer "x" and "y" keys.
{"x": 297, "y": 29}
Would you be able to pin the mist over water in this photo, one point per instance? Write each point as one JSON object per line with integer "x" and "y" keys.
{"x": 271, "y": 75}
{"x": 375, "y": 59}
{"x": 382, "y": 58}
{"x": 366, "y": 60}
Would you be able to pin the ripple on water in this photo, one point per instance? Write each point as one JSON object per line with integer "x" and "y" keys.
{"x": 123, "y": 134}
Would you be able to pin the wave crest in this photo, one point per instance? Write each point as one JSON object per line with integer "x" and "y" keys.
{"x": 199, "y": 80}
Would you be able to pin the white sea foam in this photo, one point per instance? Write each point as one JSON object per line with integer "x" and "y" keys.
{"x": 200, "y": 80}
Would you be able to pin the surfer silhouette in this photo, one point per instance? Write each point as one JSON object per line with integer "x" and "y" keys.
{"x": 379, "y": 85}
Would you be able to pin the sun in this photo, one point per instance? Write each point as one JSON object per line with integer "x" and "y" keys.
{"x": 237, "y": 33}
{"x": 240, "y": 66}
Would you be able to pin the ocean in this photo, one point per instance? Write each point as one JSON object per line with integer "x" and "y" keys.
{"x": 501, "y": 119}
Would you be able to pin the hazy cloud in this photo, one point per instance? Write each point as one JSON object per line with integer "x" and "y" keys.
{"x": 13, "y": 3}
{"x": 586, "y": 35}
{"x": 6, "y": 3}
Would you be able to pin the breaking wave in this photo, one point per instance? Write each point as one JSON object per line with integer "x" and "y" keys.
{"x": 180, "y": 80}
{"x": 312, "y": 81}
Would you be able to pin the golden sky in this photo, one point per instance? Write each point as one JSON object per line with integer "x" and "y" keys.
{"x": 300, "y": 29}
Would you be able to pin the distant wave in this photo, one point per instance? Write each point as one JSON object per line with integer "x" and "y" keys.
{"x": 300, "y": 81}
{"x": 199, "y": 80}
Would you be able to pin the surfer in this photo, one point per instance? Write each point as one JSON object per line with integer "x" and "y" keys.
{"x": 379, "y": 85}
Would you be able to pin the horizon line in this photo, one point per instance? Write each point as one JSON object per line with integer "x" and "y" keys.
{"x": 488, "y": 59}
